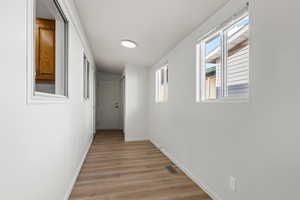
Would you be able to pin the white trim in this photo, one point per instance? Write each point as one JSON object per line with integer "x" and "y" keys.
{"x": 196, "y": 180}
{"x": 227, "y": 100}
{"x": 158, "y": 85}
{"x": 200, "y": 53}
{"x": 33, "y": 97}
{"x": 135, "y": 139}
{"x": 30, "y": 16}
{"x": 198, "y": 74}
{"x": 86, "y": 78}
{"x": 72, "y": 16}
{"x": 74, "y": 179}
{"x": 41, "y": 95}
{"x": 44, "y": 98}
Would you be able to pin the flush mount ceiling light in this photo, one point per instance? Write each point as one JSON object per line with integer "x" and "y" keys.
{"x": 129, "y": 44}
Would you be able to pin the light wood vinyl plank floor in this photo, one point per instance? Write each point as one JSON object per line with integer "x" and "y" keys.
{"x": 115, "y": 170}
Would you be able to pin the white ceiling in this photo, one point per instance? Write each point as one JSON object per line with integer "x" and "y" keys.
{"x": 156, "y": 25}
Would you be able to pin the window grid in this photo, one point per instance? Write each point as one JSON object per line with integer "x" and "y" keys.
{"x": 202, "y": 92}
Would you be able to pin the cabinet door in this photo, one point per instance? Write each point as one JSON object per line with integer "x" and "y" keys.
{"x": 45, "y": 50}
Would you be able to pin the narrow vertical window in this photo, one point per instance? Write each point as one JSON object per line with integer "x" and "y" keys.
{"x": 224, "y": 62}
{"x": 86, "y": 78}
{"x": 51, "y": 35}
{"x": 161, "y": 79}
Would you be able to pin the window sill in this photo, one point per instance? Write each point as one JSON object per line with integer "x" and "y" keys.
{"x": 161, "y": 102}
{"x": 85, "y": 99}
{"x": 227, "y": 100}
{"x": 44, "y": 98}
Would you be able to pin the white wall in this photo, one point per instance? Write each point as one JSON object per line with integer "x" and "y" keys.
{"x": 256, "y": 142}
{"x": 136, "y": 103}
{"x": 41, "y": 145}
{"x": 107, "y": 117}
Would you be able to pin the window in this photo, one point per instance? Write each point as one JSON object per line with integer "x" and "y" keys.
{"x": 161, "y": 77}
{"x": 86, "y": 78}
{"x": 223, "y": 62}
{"x": 47, "y": 50}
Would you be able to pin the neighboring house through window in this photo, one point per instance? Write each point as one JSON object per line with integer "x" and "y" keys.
{"x": 224, "y": 62}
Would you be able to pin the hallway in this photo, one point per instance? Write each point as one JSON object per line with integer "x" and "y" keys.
{"x": 206, "y": 93}
{"x": 115, "y": 170}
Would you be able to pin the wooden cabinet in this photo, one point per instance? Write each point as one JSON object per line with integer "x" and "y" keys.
{"x": 45, "y": 50}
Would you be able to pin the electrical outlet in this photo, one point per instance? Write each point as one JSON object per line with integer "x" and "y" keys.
{"x": 232, "y": 183}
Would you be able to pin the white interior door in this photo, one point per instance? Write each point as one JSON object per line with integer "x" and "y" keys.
{"x": 108, "y": 105}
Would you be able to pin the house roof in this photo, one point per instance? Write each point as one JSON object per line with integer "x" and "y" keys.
{"x": 211, "y": 71}
{"x": 236, "y": 39}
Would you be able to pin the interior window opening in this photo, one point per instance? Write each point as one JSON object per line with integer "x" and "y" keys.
{"x": 50, "y": 48}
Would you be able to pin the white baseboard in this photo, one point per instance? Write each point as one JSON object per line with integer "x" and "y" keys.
{"x": 136, "y": 139}
{"x": 203, "y": 186}
{"x": 70, "y": 188}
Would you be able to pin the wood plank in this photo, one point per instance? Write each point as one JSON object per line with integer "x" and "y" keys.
{"x": 115, "y": 170}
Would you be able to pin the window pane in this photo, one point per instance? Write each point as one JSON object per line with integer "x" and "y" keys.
{"x": 212, "y": 68}
{"x": 238, "y": 59}
{"x": 158, "y": 86}
{"x": 162, "y": 84}
{"x": 50, "y": 48}
{"x": 162, "y": 77}
{"x": 88, "y": 79}
{"x": 165, "y": 83}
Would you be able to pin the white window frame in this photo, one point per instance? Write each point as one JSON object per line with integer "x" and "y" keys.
{"x": 200, "y": 70}
{"x": 158, "y": 99}
{"x": 86, "y": 78}
{"x": 34, "y": 97}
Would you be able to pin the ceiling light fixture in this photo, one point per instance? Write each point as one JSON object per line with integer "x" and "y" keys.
{"x": 128, "y": 44}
